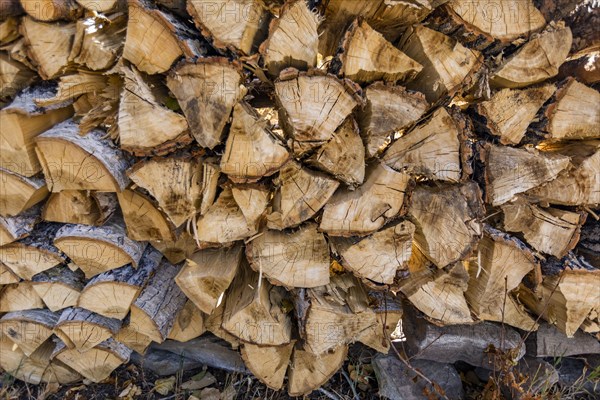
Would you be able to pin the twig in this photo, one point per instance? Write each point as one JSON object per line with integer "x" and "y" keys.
{"x": 328, "y": 394}
{"x": 351, "y": 383}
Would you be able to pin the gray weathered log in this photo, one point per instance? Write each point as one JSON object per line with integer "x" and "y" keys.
{"x": 548, "y": 341}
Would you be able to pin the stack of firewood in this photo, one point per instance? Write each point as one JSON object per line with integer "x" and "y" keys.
{"x": 284, "y": 174}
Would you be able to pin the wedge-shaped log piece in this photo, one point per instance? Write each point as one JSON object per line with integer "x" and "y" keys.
{"x": 510, "y": 171}
{"x": 74, "y": 162}
{"x": 308, "y": 371}
{"x": 296, "y": 259}
{"x": 343, "y": 156}
{"x": 254, "y": 310}
{"x": 447, "y": 65}
{"x": 237, "y": 25}
{"x": 207, "y": 274}
{"x": 19, "y": 297}
{"x": 538, "y": 60}
{"x": 567, "y": 295}
{"x": 82, "y": 329}
{"x": 501, "y": 264}
{"x": 214, "y": 322}
{"x": 34, "y": 253}
{"x": 105, "y": 110}
{"x": 388, "y": 309}
{"x": 210, "y": 183}
{"x": 574, "y": 114}
{"x": 175, "y": 182}
{"x": 339, "y": 314}
{"x": 52, "y": 10}
{"x": 7, "y": 276}
{"x": 252, "y": 201}
{"x": 313, "y": 105}
{"x": 301, "y": 195}
{"x": 251, "y": 149}
{"x": 431, "y": 150}
{"x": 96, "y": 249}
{"x": 22, "y": 121}
{"x": 154, "y": 311}
{"x": 143, "y": 218}
{"x": 111, "y": 293}
{"x": 388, "y": 109}
{"x": 223, "y": 223}
{"x": 268, "y": 363}
{"x": 28, "y": 329}
{"x": 189, "y": 323}
{"x": 14, "y": 76}
{"x": 366, "y": 56}
{"x": 103, "y": 6}
{"x": 447, "y": 221}
{"x": 19, "y": 226}
{"x": 48, "y": 45}
{"x": 378, "y": 257}
{"x": 146, "y": 127}
{"x": 132, "y": 338}
{"x": 155, "y": 38}
{"x": 366, "y": 209}
{"x": 98, "y": 41}
{"x": 70, "y": 87}
{"x": 79, "y": 207}
{"x": 427, "y": 284}
{"x": 293, "y": 39}
{"x": 18, "y": 193}
{"x": 548, "y": 230}
{"x": 510, "y": 111}
{"x": 96, "y": 364}
{"x": 59, "y": 287}
{"x": 178, "y": 250}
{"x": 9, "y": 29}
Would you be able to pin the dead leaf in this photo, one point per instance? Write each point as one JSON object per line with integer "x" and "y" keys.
{"x": 229, "y": 393}
{"x": 210, "y": 394}
{"x": 199, "y": 381}
{"x": 164, "y": 386}
{"x": 49, "y": 389}
{"x": 130, "y": 392}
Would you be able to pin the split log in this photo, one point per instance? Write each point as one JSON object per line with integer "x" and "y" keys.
{"x": 34, "y": 253}
{"x": 19, "y": 297}
{"x": 59, "y": 287}
{"x": 379, "y": 257}
{"x": 388, "y": 310}
{"x": 98, "y": 41}
{"x": 82, "y": 329}
{"x": 189, "y": 323}
{"x": 19, "y": 226}
{"x": 48, "y": 45}
{"x": 95, "y": 364}
{"x": 70, "y": 87}
{"x": 74, "y": 162}
{"x": 268, "y": 364}
{"x": 146, "y": 127}
{"x": 52, "y": 10}
{"x": 7, "y": 276}
{"x": 104, "y": 113}
{"x": 574, "y": 113}
{"x": 155, "y": 38}
{"x": 178, "y": 250}
{"x": 366, "y": 209}
{"x": 210, "y": 182}
{"x": 343, "y": 156}
{"x": 254, "y": 310}
{"x": 485, "y": 24}
{"x": 293, "y": 39}
{"x": 14, "y": 76}
{"x": 111, "y": 293}
{"x": 237, "y": 25}
{"x": 365, "y": 56}
{"x": 389, "y": 109}
{"x": 103, "y": 6}
{"x": 25, "y": 120}
{"x": 308, "y": 371}
{"x": 312, "y": 106}
{"x": 548, "y": 341}
{"x": 214, "y": 322}
{"x": 79, "y": 207}
{"x": 502, "y": 263}
{"x": 301, "y": 194}
{"x": 175, "y": 182}
{"x": 132, "y": 338}
{"x": 19, "y": 193}
{"x": 585, "y": 69}
{"x": 447, "y": 65}
{"x": 297, "y": 259}
{"x": 548, "y": 230}
{"x": 432, "y": 150}
{"x": 154, "y": 311}
{"x": 510, "y": 171}
{"x": 339, "y": 314}
{"x": 207, "y": 90}
{"x": 252, "y": 201}
{"x": 207, "y": 274}
{"x": 143, "y": 219}
{"x": 510, "y": 111}
{"x": 96, "y": 249}
{"x": 9, "y": 29}
{"x": 538, "y": 60}
{"x": 251, "y": 149}
{"x": 28, "y": 329}
{"x": 223, "y": 223}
